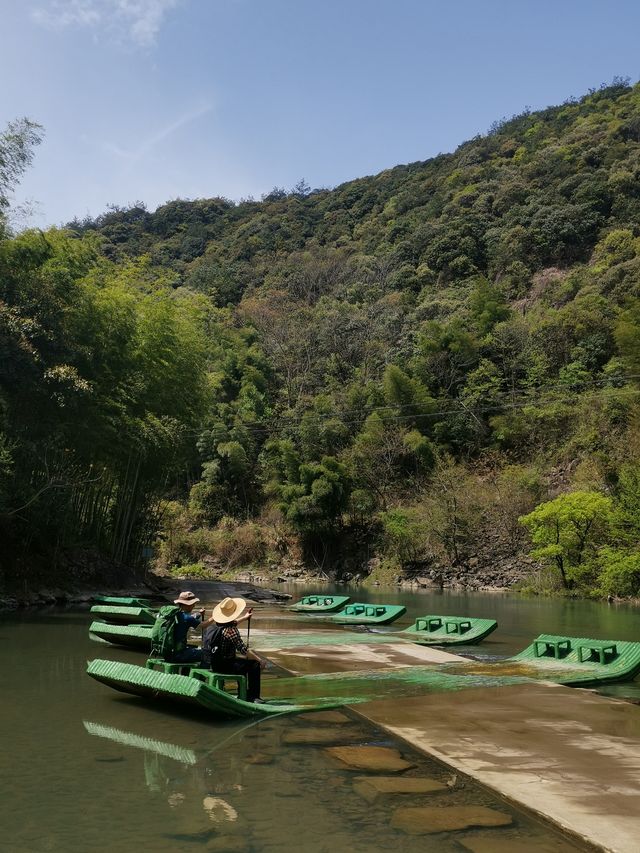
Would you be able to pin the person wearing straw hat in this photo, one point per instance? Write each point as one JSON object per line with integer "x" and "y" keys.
{"x": 186, "y": 601}
{"x": 227, "y": 615}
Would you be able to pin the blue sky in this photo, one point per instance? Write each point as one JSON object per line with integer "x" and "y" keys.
{"x": 159, "y": 99}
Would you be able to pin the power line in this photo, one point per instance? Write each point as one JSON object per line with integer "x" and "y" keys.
{"x": 458, "y": 409}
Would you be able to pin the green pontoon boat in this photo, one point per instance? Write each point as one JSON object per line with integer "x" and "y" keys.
{"x": 132, "y": 636}
{"x": 579, "y": 660}
{"x": 368, "y": 614}
{"x": 574, "y": 661}
{"x": 124, "y": 615}
{"x": 192, "y": 687}
{"x": 320, "y": 603}
{"x": 122, "y": 601}
{"x": 449, "y": 630}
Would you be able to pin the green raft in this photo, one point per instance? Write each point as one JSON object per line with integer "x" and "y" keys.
{"x": 580, "y": 660}
{"x": 320, "y": 603}
{"x": 368, "y": 614}
{"x": 132, "y": 636}
{"x": 122, "y": 601}
{"x": 199, "y": 688}
{"x": 449, "y": 630}
{"x": 124, "y": 615}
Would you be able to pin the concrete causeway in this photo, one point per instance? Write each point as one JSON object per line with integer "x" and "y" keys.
{"x": 568, "y": 755}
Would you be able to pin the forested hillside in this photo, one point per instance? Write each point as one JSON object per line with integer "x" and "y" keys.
{"x": 429, "y": 370}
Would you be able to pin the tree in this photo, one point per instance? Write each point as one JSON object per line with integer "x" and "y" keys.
{"x": 488, "y": 306}
{"x": 17, "y": 145}
{"x": 385, "y": 455}
{"x": 315, "y": 504}
{"x": 567, "y": 530}
{"x": 301, "y": 189}
{"x": 627, "y": 335}
{"x": 102, "y": 381}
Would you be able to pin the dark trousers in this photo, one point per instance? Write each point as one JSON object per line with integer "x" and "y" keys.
{"x": 188, "y": 655}
{"x": 242, "y": 666}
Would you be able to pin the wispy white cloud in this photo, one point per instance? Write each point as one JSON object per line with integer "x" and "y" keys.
{"x": 139, "y": 20}
{"x": 132, "y": 155}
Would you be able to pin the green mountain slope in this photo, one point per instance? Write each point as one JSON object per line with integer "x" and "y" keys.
{"x": 405, "y": 364}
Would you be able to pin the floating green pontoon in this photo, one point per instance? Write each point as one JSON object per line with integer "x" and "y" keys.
{"x": 579, "y": 660}
{"x": 368, "y": 614}
{"x": 122, "y": 601}
{"x": 574, "y": 661}
{"x": 320, "y": 603}
{"x": 124, "y": 615}
{"x": 449, "y": 630}
{"x": 199, "y": 688}
{"x": 132, "y": 636}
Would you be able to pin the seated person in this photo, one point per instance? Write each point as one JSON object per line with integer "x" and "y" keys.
{"x": 186, "y": 601}
{"x": 223, "y": 642}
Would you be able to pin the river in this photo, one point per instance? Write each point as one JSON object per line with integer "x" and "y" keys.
{"x": 85, "y": 768}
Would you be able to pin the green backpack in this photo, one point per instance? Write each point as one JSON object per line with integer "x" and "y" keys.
{"x": 163, "y": 633}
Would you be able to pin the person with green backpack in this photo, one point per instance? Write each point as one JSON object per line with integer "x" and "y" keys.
{"x": 169, "y": 633}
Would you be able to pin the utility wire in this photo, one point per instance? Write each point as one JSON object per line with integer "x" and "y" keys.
{"x": 511, "y": 402}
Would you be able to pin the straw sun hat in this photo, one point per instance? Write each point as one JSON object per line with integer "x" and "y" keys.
{"x": 228, "y": 610}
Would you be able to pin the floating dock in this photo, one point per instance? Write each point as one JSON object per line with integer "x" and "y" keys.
{"x": 123, "y": 615}
{"x": 131, "y": 636}
{"x": 449, "y": 630}
{"x": 320, "y": 603}
{"x": 368, "y": 614}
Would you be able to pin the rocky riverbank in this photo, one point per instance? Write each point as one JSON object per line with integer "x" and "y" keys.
{"x": 493, "y": 565}
{"x": 207, "y": 591}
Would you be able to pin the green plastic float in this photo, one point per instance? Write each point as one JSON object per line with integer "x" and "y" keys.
{"x": 124, "y": 615}
{"x": 191, "y": 686}
{"x": 368, "y": 614}
{"x": 319, "y": 603}
{"x": 573, "y": 661}
{"x": 580, "y": 660}
{"x": 122, "y": 601}
{"x": 449, "y": 630}
{"x": 131, "y": 636}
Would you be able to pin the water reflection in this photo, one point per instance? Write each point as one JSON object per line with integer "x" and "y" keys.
{"x": 271, "y": 786}
{"x": 169, "y": 750}
{"x": 127, "y": 778}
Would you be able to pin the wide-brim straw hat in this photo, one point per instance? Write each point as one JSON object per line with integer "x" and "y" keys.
{"x": 186, "y": 598}
{"x": 228, "y": 610}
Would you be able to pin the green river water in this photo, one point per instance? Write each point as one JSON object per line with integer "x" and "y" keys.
{"x": 85, "y": 768}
